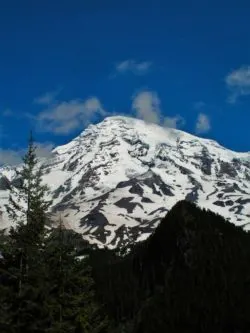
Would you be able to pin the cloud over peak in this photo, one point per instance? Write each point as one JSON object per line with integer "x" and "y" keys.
{"x": 62, "y": 118}
{"x": 202, "y": 124}
{"x": 147, "y": 106}
{"x": 174, "y": 122}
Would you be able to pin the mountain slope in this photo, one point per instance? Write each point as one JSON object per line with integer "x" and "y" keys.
{"x": 190, "y": 275}
{"x": 118, "y": 178}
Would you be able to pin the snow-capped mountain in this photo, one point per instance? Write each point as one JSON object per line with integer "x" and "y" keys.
{"x": 118, "y": 178}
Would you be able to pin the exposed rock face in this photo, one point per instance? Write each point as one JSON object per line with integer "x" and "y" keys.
{"x": 117, "y": 179}
{"x": 4, "y": 183}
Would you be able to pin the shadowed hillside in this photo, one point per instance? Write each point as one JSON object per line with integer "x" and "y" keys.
{"x": 191, "y": 275}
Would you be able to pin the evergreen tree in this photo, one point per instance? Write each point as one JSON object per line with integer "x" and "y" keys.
{"x": 23, "y": 254}
{"x": 27, "y": 208}
{"x": 71, "y": 300}
{"x": 28, "y": 204}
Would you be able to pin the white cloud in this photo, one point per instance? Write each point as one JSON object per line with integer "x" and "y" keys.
{"x": 238, "y": 82}
{"x": 146, "y": 105}
{"x": 202, "y": 123}
{"x": 131, "y": 66}
{"x": 14, "y": 157}
{"x": 174, "y": 122}
{"x": 65, "y": 117}
{"x": 92, "y": 105}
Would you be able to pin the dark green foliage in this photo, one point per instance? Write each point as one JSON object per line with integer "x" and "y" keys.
{"x": 56, "y": 292}
{"x": 191, "y": 275}
{"x": 28, "y": 203}
{"x": 71, "y": 300}
{"x": 49, "y": 289}
{"x": 43, "y": 286}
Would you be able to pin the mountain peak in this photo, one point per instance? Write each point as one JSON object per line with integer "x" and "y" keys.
{"x": 118, "y": 178}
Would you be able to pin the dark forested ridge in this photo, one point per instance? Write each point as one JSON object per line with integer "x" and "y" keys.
{"x": 191, "y": 275}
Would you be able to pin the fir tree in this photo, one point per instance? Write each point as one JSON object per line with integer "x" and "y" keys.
{"x": 28, "y": 204}
{"x": 71, "y": 300}
{"x": 27, "y": 209}
{"x": 44, "y": 287}
{"x": 25, "y": 269}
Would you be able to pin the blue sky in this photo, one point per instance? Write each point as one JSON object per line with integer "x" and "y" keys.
{"x": 64, "y": 64}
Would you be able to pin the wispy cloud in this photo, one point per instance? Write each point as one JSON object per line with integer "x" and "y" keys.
{"x": 10, "y": 157}
{"x": 147, "y": 106}
{"x": 14, "y": 157}
{"x": 47, "y": 98}
{"x": 43, "y": 149}
{"x": 238, "y": 82}
{"x": 174, "y": 122}
{"x": 202, "y": 124}
{"x": 64, "y": 117}
{"x": 132, "y": 66}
